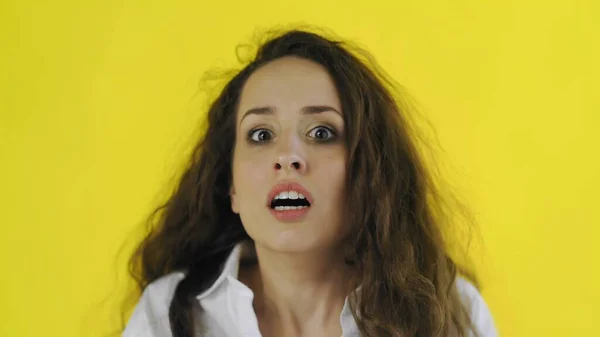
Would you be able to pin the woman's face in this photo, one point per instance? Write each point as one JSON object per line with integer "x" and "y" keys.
{"x": 289, "y": 162}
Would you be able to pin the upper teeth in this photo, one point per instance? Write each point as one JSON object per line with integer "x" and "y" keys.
{"x": 290, "y": 195}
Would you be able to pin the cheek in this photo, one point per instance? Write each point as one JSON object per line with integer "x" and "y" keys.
{"x": 249, "y": 178}
{"x": 332, "y": 173}
{"x": 334, "y": 165}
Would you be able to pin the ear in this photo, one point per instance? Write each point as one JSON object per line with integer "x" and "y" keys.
{"x": 234, "y": 202}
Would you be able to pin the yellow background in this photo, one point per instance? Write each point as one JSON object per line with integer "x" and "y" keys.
{"x": 95, "y": 114}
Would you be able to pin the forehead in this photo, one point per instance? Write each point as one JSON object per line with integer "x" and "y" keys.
{"x": 289, "y": 83}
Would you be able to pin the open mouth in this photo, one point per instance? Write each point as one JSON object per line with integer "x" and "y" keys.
{"x": 289, "y": 200}
{"x": 289, "y": 197}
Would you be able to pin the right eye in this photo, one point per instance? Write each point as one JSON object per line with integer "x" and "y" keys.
{"x": 260, "y": 135}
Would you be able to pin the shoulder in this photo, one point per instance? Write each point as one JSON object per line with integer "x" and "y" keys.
{"x": 151, "y": 314}
{"x": 480, "y": 314}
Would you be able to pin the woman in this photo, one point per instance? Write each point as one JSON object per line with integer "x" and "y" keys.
{"x": 305, "y": 211}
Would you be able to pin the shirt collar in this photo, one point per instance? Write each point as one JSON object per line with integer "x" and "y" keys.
{"x": 232, "y": 265}
{"x": 245, "y": 249}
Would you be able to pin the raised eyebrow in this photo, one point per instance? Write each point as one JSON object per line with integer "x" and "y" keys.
{"x": 263, "y": 110}
{"x": 315, "y": 109}
{"x": 308, "y": 110}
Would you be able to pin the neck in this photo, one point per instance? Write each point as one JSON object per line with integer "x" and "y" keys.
{"x": 299, "y": 293}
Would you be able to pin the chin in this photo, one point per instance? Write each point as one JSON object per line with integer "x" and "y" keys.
{"x": 298, "y": 237}
{"x": 292, "y": 241}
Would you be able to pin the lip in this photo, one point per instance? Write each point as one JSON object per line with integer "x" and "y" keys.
{"x": 286, "y": 186}
{"x": 289, "y": 215}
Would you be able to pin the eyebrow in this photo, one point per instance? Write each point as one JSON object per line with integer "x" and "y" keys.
{"x": 307, "y": 110}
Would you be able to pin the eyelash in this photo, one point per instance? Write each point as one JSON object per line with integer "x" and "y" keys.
{"x": 331, "y": 139}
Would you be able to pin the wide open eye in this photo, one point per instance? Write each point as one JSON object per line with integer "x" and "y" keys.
{"x": 322, "y": 133}
{"x": 260, "y": 135}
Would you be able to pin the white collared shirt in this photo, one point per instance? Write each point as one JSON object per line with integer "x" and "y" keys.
{"x": 227, "y": 309}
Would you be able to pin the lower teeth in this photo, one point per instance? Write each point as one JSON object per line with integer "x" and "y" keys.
{"x": 288, "y": 208}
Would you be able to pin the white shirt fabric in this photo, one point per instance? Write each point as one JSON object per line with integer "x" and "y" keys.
{"x": 227, "y": 309}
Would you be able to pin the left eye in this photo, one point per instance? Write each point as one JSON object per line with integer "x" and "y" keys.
{"x": 321, "y": 133}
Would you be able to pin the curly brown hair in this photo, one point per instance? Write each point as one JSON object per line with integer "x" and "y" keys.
{"x": 399, "y": 241}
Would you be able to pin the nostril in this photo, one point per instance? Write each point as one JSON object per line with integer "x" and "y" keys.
{"x": 291, "y": 165}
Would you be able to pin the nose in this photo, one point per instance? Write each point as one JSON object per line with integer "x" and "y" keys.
{"x": 290, "y": 154}
{"x": 290, "y": 163}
